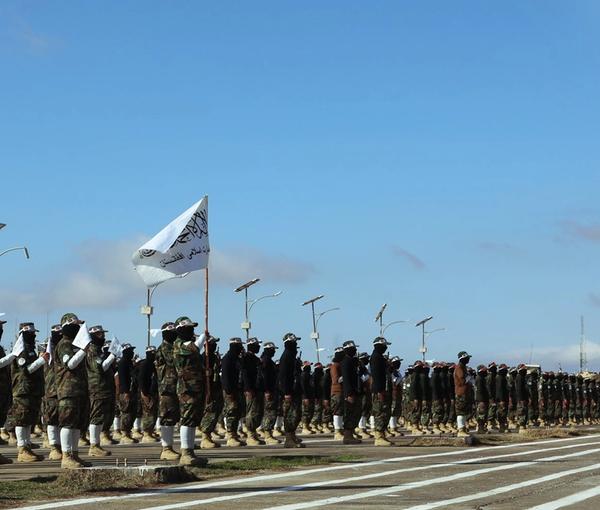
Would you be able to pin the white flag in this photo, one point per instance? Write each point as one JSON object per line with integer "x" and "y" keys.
{"x": 82, "y": 338}
{"x": 181, "y": 247}
{"x": 115, "y": 347}
{"x": 19, "y": 346}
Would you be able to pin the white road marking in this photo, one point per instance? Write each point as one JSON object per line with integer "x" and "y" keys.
{"x": 423, "y": 483}
{"x": 379, "y": 474}
{"x": 568, "y": 500}
{"x": 294, "y": 474}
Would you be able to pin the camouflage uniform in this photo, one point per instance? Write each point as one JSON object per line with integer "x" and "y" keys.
{"x": 101, "y": 388}
{"x": 214, "y": 397}
{"x": 71, "y": 387}
{"x": 50, "y": 403}
{"x": 168, "y": 403}
{"x": 190, "y": 381}
{"x": 5, "y": 389}
{"x": 27, "y": 389}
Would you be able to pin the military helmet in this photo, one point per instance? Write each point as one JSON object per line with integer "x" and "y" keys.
{"x": 269, "y": 345}
{"x": 97, "y": 329}
{"x": 27, "y": 327}
{"x": 348, "y": 344}
{"x": 70, "y": 318}
{"x": 253, "y": 340}
{"x": 184, "y": 321}
{"x": 463, "y": 355}
{"x": 381, "y": 341}
{"x": 235, "y": 340}
{"x": 168, "y": 326}
{"x": 290, "y": 337}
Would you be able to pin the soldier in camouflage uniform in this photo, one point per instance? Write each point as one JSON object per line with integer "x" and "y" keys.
{"x": 462, "y": 388}
{"x": 290, "y": 388}
{"x": 365, "y": 395}
{"x": 416, "y": 398}
{"x": 437, "y": 398}
{"x": 231, "y": 374}
{"x": 381, "y": 388}
{"x": 327, "y": 415}
{"x": 337, "y": 399}
{"x": 72, "y": 391}
{"x": 190, "y": 387}
{"x": 128, "y": 394}
{"x": 522, "y": 396}
{"x": 5, "y": 393}
{"x": 317, "y": 382}
{"x": 544, "y": 399}
{"x": 50, "y": 402}
{"x": 352, "y": 392}
{"x": 502, "y": 397}
{"x": 254, "y": 388}
{"x": 148, "y": 385}
{"x": 482, "y": 398}
{"x": 101, "y": 388}
{"x": 27, "y": 391}
{"x": 269, "y": 371}
{"x": 406, "y": 396}
{"x": 533, "y": 415}
{"x": 425, "y": 382}
{"x": 214, "y": 392}
{"x": 308, "y": 397}
{"x": 168, "y": 402}
{"x": 397, "y": 396}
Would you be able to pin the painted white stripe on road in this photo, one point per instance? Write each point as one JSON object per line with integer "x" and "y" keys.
{"x": 294, "y": 474}
{"x": 569, "y": 500}
{"x": 424, "y": 483}
{"x": 339, "y": 481}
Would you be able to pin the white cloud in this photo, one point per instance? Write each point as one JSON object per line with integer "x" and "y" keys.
{"x": 566, "y": 356}
{"x": 100, "y": 274}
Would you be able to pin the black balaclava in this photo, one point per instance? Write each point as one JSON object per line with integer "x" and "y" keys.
{"x": 150, "y": 356}
{"x": 380, "y": 348}
{"x": 98, "y": 338}
{"x": 306, "y": 368}
{"x": 269, "y": 352}
{"x": 186, "y": 333}
{"x": 338, "y": 356}
{"x": 350, "y": 351}
{"x": 437, "y": 369}
{"x": 253, "y": 348}
{"x": 55, "y": 337}
{"x": 236, "y": 349}
{"x": 291, "y": 345}
{"x": 128, "y": 354}
{"x": 396, "y": 365}
{"x": 29, "y": 339}
{"x": 70, "y": 330}
{"x": 212, "y": 347}
{"x": 169, "y": 335}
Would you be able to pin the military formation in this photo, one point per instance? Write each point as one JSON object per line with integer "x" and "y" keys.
{"x": 87, "y": 396}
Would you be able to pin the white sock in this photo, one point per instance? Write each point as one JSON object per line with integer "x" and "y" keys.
{"x": 53, "y": 435}
{"x": 185, "y": 437}
{"x": 393, "y": 422}
{"x": 21, "y": 436}
{"x": 362, "y": 423}
{"x": 166, "y": 436}
{"x": 117, "y": 423}
{"x": 94, "y": 434}
{"x": 338, "y": 422}
{"x": 460, "y": 422}
{"x": 372, "y": 422}
{"x": 157, "y": 424}
{"x": 137, "y": 424}
{"x": 66, "y": 440}
{"x": 279, "y": 422}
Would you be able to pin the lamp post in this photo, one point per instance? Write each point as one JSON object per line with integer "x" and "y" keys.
{"x": 314, "y": 335}
{"x": 148, "y": 309}
{"x": 2, "y": 225}
{"x": 422, "y": 323}
{"x": 246, "y": 324}
{"x": 23, "y": 248}
{"x": 379, "y": 318}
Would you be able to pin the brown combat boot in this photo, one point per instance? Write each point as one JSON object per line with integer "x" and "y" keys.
{"x": 381, "y": 440}
{"x": 269, "y": 439}
{"x": 97, "y": 451}
{"x": 147, "y": 437}
{"x": 363, "y": 433}
{"x": 290, "y": 442}
{"x": 349, "y": 438}
{"x": 253, "y": 439}
{"x": 70, "y": 462}
{"x": 206, "y": 441}
{"x": 55, "y": 453}
{"x": 126, "y": 438}
{"x": 168, "y": 453}
{"x": 106, "y": 440}
{"x": 234, "y": 441}
{"x": 26, "y": 455}
{"x": 188, "y": 458}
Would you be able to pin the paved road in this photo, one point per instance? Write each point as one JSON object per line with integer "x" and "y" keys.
{"x": 545, "y": 474}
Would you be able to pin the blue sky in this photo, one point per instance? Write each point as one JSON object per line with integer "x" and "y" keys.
{"x": 440, "y": 157}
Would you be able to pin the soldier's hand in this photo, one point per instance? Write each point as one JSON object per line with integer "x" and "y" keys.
{"x": 249, "y": 394}
{"x": 46, "y": 356}
{"x": 288, "y": 398}
{"x": 350, "y": 399}
{"x": 325, "y": 404}
{"x": 381, "y": 396}
{"x": 306, "y": 401}
{"x": 268, "y": 396}
{"x": 230, "y": 397}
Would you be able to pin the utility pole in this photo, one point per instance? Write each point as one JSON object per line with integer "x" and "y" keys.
{"x": 246, "y": 324}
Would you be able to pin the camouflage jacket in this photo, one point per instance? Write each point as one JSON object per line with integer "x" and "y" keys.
{"x": 101, "y": 384}
{"x": 165, "y": 369}
{"x": 25, "y": 384}
{"x": 50, "y": 381}
{"x": 188, "y": 364}
{"x": 5, "y": 381}
{"x": 69, "y": 383}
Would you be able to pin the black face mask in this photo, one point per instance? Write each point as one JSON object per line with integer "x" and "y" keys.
{"x": 29, "y": 339}
{"x": 236, "y": 349}
{"x": 350, "y": 351}
{"x": 291, "y": 346}
{"x": 253, "y": 348}
{"x": 186, "y": 333}
{"x": 128, "y": 354}
{"x": 337, "y": 357}
{"x": 318, "y": 371}
{"x": 269, "y": 353}
{"x": 1, "y": 331}
{"x": 493, "y": 370}
{"x": 380, "y": 348}
{"x": 212, "y": 347}
{"x": 70, "y": 330}
{"x": 150, "y": 356}
{"x": 55, "y": 337}
{"x": 98, "y": 339}
{"x": 169, "y": 336}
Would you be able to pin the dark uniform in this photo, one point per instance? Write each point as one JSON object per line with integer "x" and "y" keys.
{"x": 231, "y": 381}
{"x": 290, "y": 388}
{"x": 482, "y": 398}
{"x": 148, "y": 385}
{"x": 128, "y": 393}
{"x": 214, "y": 393}
{"x": 269, "y": 371}
{"x": 308, "y": 397}
{"x": 522, "y": 396}
{"x": 352, "y": 392}
{"x": 381, "y": 388}
{"x": 254, "y": 390}
{"x": 502, "y": 397}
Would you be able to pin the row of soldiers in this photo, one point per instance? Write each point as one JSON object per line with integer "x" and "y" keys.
{"x": 186, "y": 382}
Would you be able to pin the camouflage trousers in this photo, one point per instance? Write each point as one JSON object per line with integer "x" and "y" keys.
{"x": 462, "y": 405}
{"x": 578, "y": 411}
{"x": 425, "y": 412}
{"x": 572, "y": 410}
{"x": 437, "y": 412}
{"x": 415, "y": 413}
{"x": 291, "y": 413}
{"x": 212, "y": 411}
{"x": 26, "y": 411}
{"x": 128, "y": 404}
{"x": 533, "y": 412}
{"x": 317, "y": 417}
{"x": 483, "y": 411}
{"x": 449, "y": 411}
{"x": 270, "y": 413}
{"x": 492, "y": 412}
{"x": 232, "y": 411}
{"x": 50, "y": 406}
{"x": 397, "y": 407}
{"x": 255, "y": 409}
{"x": 191, "y": 406}
{"x": 71, "y": 412}
{"x": 337, "y": 405}
{"x": 149, "y": 413}
{"x": 308, "y": 410}
{"x": 512, "y": 410}
{"x": 352, "y": 413}
{"x": 327, "y": 414}
{"x": 102, "y": 411}
{"x": 5, "y": 402}
{"x": 168, "y": 410}
{"x": 502, "y": 413}
{"x": 381, "y": 409}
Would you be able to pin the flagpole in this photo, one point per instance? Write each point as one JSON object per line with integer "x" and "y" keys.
{"x": 206, "y": 351}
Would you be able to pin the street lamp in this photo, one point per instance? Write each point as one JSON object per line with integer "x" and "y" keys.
{"x": 314, "y": 335}
{"x": 379, "y": 318}
{"x": 23, "y": 248}
{"x": 391, "y": 324}
{"x": 319, "y": 315}
{"x": 422, "y": 323}
{"x": 254, "y": 301}
{"x": 2, "y": 225}
{"x": 148, "y": 309}
{"x": 246, "y": 324}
